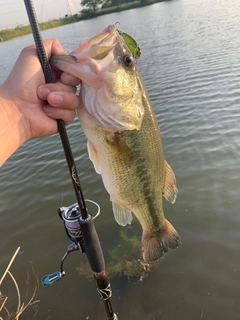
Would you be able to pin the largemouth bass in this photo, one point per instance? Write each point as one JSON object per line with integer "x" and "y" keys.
{"x": 124, "y": 140}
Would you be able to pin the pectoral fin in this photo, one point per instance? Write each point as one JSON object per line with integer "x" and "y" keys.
{"x": 93, "y": 156}
{"x": 121, "y": 215}
{"x": 169, "y": 190}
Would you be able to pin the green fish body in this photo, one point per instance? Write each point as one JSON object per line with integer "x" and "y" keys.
{"x": 124, "y": 140}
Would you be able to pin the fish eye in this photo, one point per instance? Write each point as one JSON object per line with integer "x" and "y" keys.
{"x": 128, "y": 60}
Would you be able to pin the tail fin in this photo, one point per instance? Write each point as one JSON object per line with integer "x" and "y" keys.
{"x": 154, "y": 245}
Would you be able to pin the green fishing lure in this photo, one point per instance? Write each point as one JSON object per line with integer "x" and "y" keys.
{"x": 131, "y": 44}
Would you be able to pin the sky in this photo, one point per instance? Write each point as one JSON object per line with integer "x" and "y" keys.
{"x": 13, "y": 12}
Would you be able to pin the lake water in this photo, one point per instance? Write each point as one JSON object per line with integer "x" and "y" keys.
{"x": 190, "y": 64}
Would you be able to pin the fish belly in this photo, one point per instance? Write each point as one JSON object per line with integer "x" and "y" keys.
{"x": 133, "y": 171}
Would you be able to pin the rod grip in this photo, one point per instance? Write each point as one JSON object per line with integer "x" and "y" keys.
{"x": 92, "y": 246}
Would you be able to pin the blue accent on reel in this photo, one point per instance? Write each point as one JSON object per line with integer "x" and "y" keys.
{"x": 49, "y": 279}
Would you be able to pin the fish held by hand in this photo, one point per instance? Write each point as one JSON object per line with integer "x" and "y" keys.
{"x": 124, "y": 140}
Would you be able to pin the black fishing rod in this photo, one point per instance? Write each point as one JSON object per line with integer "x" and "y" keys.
{"x": 78, "y": 223}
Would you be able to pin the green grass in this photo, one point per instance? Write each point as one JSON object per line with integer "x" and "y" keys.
{"x": 8, "y": 34}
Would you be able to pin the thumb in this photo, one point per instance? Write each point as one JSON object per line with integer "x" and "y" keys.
{"x": 52, "y": 47}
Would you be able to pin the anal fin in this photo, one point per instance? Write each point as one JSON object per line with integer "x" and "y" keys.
{"x": 121, "y": 215}
{"x": 170, "y": 189}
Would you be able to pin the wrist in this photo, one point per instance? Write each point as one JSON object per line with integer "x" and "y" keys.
{"x": 14, "y": 127}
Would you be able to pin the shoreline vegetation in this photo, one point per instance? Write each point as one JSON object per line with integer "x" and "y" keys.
{"x": 6, "y": 301}
{"x": 10, "y": 33}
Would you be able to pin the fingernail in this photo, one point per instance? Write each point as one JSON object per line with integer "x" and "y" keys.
{"x": 69, "y": 79}
{"x": 43, "y": 92}
{"x": 56, "y": 98}
{"x": 47, "y": 109}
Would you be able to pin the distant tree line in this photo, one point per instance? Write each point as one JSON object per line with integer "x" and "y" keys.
{"x": 91, "y": 6}
{"x": 115, "y": 3}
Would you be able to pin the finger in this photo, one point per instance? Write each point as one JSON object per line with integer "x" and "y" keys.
{"x": 52, "y": 47}
{"x": 64, "y": 114}
{"x": 69, "y": 79}
{"x": 61, "y": 99}
{"x": 44, "y": 90}
{"x": 65, "y": 100}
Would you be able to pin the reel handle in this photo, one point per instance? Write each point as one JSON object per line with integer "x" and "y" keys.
{"x": 50, "y": 279}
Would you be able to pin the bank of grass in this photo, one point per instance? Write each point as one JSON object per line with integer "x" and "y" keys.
{"x": 7, "y": 34}
{"x": 10, "y": 33}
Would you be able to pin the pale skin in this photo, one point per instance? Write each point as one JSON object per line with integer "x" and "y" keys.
{"x": 29, "y": 107}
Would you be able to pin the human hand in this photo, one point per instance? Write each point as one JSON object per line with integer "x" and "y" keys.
{"x": 39, "y": 104}
{"x": 28, "y": 106}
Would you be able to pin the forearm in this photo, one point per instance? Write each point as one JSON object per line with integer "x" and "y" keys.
{"x": 12, "y": 126}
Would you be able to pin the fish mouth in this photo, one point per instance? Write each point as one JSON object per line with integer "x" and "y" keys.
{"x": 106, "y": 92}
{"x": 99, "y": 46}
{"x": 90, "y": 57}
{"x": 104, "y": 40}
